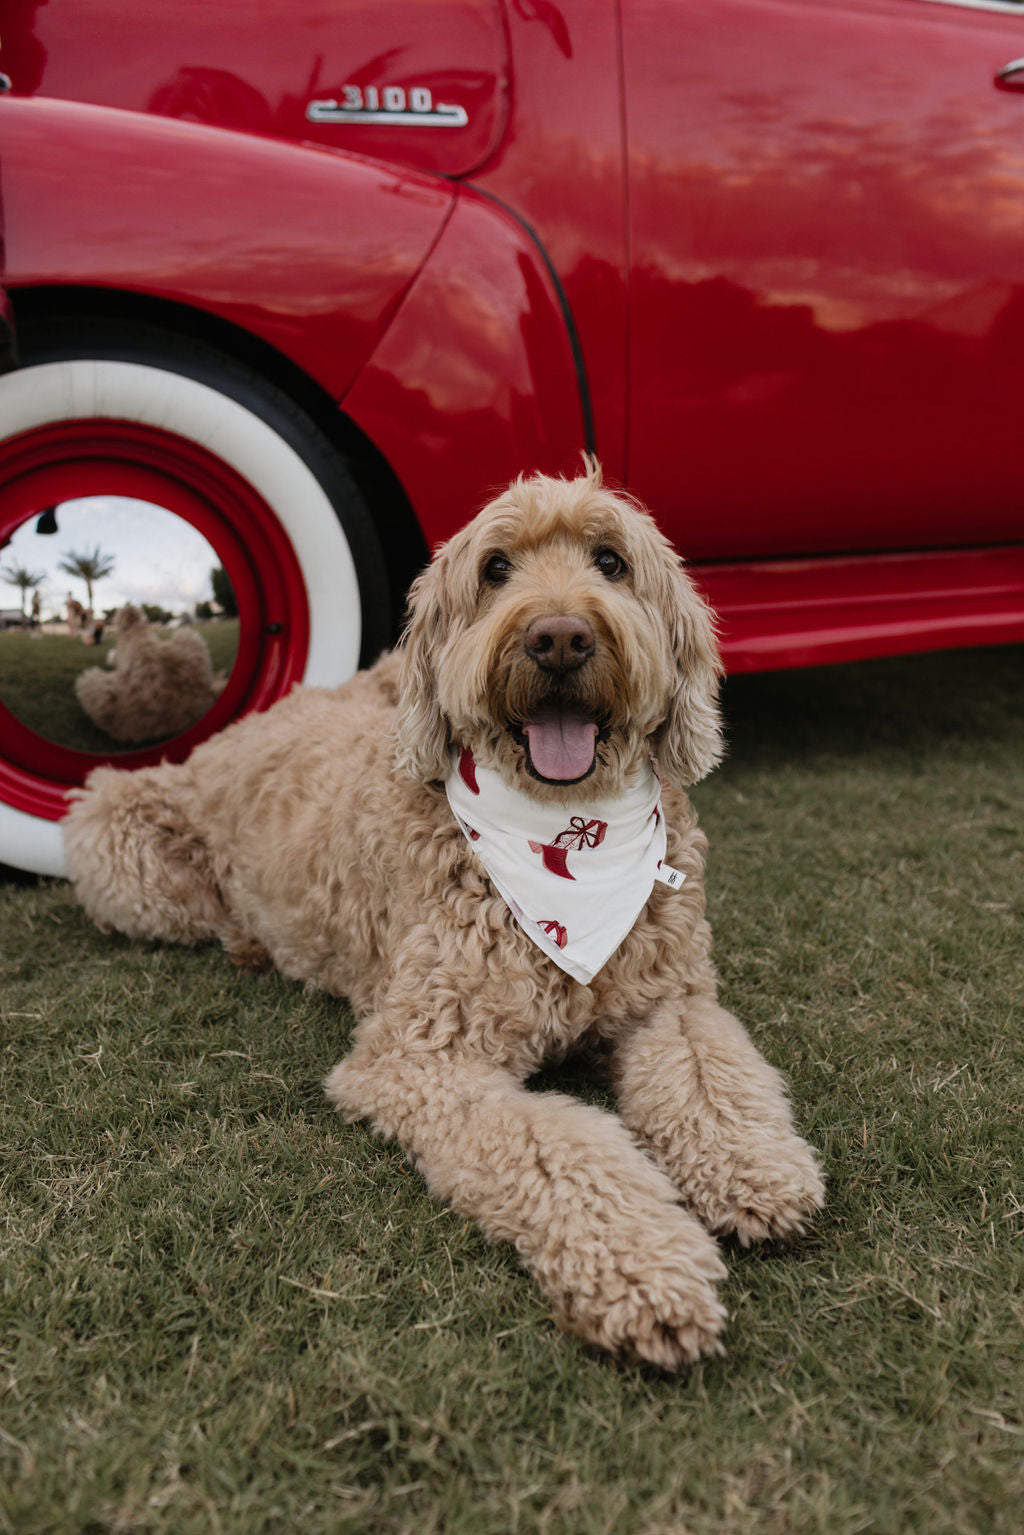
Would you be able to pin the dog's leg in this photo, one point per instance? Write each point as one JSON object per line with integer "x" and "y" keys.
{"x": 138, "y": 863}
{"x": 599, "y": 1226}
{"x": 716, "y": 1117}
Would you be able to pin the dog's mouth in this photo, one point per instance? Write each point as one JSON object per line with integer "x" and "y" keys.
{"x": 560, "y": 743}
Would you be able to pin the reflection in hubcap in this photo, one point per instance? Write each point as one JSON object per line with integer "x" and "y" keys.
{"x": 118, "y": 624}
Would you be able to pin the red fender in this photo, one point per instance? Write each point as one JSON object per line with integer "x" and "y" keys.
{"x": 309, "y": 249}
{"x": 476, "y": 380}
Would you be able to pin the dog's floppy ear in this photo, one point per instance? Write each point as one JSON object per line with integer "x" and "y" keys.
{"x": 442, "y": 607}
{"x": 423, "y": 729}
{"x": 689, "y": 742}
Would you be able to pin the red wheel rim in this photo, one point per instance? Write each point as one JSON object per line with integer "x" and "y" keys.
{"x": 74, "y": 459}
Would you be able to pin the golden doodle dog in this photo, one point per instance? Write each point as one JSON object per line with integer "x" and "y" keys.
{"x": 155, "y": 687}
{"x": 469, "y": 841}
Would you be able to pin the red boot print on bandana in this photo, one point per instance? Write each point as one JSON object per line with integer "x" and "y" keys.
{"x": 467, "y": 770}
{"x": 556, "y": 931}
{"x": 577, "y": 835}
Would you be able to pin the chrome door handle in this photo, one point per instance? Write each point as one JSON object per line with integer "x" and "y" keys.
{"x": 1011, "y": 76}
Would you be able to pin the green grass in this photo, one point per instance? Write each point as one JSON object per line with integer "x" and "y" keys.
{"x": 38, "y": 672}
{"x": 224, "y": 1310}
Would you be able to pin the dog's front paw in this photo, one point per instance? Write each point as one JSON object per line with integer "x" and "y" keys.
{"x": 653, "y": 1301}
{"x": 770, "y": 1199}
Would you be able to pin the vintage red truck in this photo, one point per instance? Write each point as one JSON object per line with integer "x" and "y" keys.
{"x": 317, "y": 278}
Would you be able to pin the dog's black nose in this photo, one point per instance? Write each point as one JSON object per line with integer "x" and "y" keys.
{"x": 559, "y": 642}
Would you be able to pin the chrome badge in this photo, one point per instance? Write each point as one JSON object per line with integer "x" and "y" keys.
{"x": 392, "y": 105}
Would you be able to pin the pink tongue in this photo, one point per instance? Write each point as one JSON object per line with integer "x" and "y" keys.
{"x": 561, "y": 744}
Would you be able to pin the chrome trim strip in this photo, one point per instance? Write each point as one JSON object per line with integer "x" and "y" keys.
{"x": 441, "y": 116}
{"x": 1001, "y": 7}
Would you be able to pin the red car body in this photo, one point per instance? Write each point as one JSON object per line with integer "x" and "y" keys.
{"x": 764, "y": 257}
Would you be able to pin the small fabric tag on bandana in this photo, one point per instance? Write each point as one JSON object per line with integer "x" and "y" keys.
{"x": 574, "y": 877}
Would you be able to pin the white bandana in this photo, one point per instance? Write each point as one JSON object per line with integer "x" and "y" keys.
{"x": 574, "y": 879}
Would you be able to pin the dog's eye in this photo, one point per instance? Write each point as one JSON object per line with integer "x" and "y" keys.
{"x": 610, "y": 564}
{"x": 497, "y": 569}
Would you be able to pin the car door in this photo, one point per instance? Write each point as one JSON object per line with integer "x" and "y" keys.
{"x": 827, "y": 273}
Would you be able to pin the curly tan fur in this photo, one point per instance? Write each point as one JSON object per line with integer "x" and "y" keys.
{"x": 318, "y": 837}
{"x": 156, "y": 687}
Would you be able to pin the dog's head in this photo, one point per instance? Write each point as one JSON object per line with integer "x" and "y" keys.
{"x": 558, "y": 637}
{"x": 131, "y": 619}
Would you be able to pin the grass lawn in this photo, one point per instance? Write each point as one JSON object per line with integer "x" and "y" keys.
{"x": 38, "y": 672}
{"x": 226, "y": 1311}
